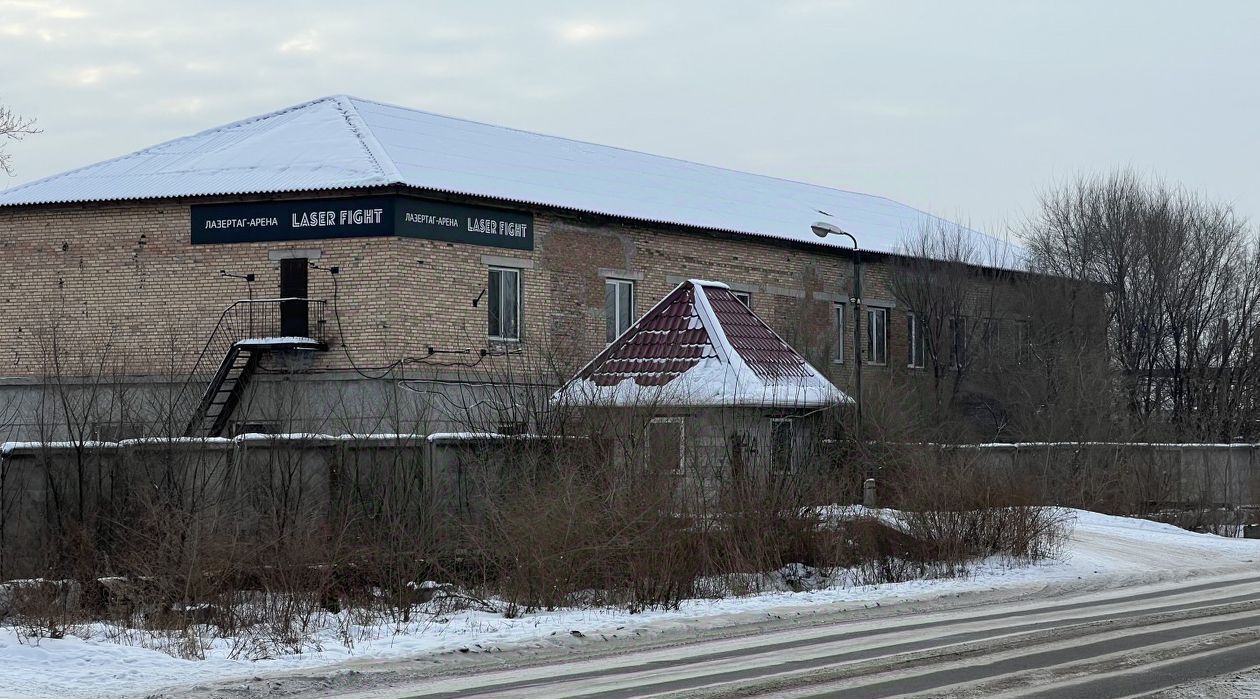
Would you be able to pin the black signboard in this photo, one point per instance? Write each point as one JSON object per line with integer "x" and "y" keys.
{"x": 292, "y": 220}
{"x": 433, "y": 220}
{"x": 357, "y": 217}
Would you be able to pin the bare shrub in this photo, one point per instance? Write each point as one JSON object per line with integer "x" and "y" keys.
{"x": 883, "y": 554}
{"x": 548, "y": 531}
{"x": 1206, "y": 520}
{"x": 961, "y": 508}
{"x": 41, "y": 609}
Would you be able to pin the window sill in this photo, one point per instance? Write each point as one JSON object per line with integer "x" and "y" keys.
{"x": 502, "y": 344}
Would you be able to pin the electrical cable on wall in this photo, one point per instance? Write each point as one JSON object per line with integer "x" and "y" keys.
{"x": 387, "y": 369}
{"x": 384, "y": 372}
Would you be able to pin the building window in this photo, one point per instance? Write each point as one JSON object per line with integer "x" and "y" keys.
{"x": 741, "y": 448}
{"x": 504, "y": 304}
{"x": 780, "y": 447}
{"x": 666, "y": 446}
{"x": 993, "y": 345}
{"x": 1022, "y": 342}
{"x": 915, "y": 345}
{"x": 958, "y": 342}
{"x": 744, "y": 298}
{"x": 877, "y": 335}
{"x": 618, "y": 307}
{"x": 839, "y": 347}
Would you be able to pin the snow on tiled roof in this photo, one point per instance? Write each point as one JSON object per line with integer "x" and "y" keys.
{"x": 343, "y": 142}
{"x": 700, "y": 346}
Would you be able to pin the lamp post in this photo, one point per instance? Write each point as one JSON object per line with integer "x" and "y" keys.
{"x": 822, "y": 229}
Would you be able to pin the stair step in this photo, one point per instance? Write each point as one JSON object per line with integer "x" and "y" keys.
{"x": 225, "y": 390}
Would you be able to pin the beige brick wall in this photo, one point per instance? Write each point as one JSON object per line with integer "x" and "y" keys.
{"x": 792, "y": 288}
{"x": 126, "y": 276}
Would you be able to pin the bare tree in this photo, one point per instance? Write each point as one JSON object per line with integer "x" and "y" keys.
{"x": 950, "y": 278}
{"x": 1057, "y": 382}
{"x": 1182, "y": 288}
{"x": 13, "y": 127}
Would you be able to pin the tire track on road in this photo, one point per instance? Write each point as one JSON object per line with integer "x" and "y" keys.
{"x": 769, "y": 665}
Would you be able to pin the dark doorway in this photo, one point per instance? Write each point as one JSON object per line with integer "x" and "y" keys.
{"x": 293, "y": 316}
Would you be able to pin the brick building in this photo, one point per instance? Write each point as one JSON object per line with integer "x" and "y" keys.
{"x": 394, "y": 266}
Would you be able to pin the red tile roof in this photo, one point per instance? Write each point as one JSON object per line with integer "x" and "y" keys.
{"x": 664, "y": 343}
{"x": 702, "y": 324}
{"x": 763, "y": 350}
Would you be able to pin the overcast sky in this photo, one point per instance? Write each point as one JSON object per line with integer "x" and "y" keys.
{"x": 966, "y": 109}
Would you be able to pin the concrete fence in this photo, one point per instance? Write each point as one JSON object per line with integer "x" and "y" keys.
{"x": 1121, "y": 476}
{"x": 255, "y": 485}
{"x": 95, "y": 493}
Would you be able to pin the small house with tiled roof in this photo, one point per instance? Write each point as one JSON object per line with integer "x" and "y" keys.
{"x": 700, "y": 346}
{"x": 701, "y": 368}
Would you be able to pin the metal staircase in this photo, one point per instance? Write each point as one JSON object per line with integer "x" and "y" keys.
{"x": 246, "y": 333}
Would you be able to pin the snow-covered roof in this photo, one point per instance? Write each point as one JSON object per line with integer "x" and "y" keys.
{"x": 700, "y": 346}
{"x": 343, "y": 142}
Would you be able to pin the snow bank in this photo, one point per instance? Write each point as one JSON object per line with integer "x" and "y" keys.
{"x": 1103, "y": 551}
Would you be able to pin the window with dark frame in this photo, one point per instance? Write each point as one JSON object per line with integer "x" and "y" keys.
{"x": 618, "y": 307}
{"x": 666, "y": 446}
{"x": 993, "y": 347}
{"x": 957, "y": 341}
{"x": 916, "y": 346}
{"x": 740, "y": 446}
{"x": 1022, "y": 342}
{"x": 838, "y": 310}
{"x": 877, "y": 335}
{"x": 781, "y": 447}
{"x": 503, "y": 304}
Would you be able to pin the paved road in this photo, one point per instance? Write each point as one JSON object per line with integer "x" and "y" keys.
{"x": 1105, "y": 645}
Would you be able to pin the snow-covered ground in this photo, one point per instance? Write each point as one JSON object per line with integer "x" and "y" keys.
{"x": 1241, "y": 686}
{"x": 1104, "y": 552}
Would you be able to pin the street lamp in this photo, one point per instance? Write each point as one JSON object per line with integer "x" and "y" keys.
{"x": 822, "y": 229}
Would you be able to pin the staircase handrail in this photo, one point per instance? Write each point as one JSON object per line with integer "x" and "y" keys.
{"x": 222, "y": 325}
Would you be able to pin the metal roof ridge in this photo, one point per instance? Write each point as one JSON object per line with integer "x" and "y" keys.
{"x": 363, "y": 131}
{"x": 713, "y": 326}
